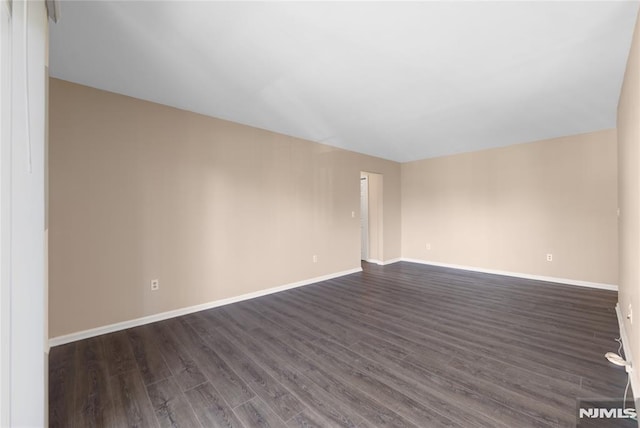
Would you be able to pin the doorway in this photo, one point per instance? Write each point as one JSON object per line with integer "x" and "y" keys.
{"x": 364, "y": 216}
{"x": 371, "y": 237}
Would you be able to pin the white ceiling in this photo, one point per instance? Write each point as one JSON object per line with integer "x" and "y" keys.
{"x": 402, "y": 81}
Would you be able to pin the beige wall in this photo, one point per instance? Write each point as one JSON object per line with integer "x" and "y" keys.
{"x": 629, "y": 197}
{"x": 215, "y": 209}
{"x": 211, "y": 208}
{"x": 506, "y": 208}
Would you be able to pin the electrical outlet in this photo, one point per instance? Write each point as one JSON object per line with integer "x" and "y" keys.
{"x": 353, "y": 214}
{"x": 630, "y": 314}
{"x": 315, "y": 258}
{"x": 549, "y": 257}
{"x": 428, "y": 246}
{"x": 155, "y": 285}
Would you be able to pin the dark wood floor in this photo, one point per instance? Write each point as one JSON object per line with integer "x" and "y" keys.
{"x": 401, "y": 345}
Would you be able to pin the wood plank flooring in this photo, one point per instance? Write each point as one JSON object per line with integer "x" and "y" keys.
{"x": 402, "y": 345}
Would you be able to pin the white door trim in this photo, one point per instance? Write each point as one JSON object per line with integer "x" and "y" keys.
{"x": 5, "y": 212}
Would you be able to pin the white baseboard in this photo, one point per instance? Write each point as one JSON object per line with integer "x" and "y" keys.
{"x": 626, "y": 346}
{"x": 383, "y": 263}
{"x": 611, "y": 287}
{"x": 72, "y": 337}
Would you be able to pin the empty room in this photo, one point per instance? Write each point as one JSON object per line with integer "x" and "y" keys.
{"x": 319, "y": 214}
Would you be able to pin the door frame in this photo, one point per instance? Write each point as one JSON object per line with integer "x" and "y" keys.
{"x": 374, "y": 218}
{"x": 364, "y": 216}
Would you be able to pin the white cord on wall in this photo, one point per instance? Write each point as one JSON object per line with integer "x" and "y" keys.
{"x": 26, "y": 84}
{"x": 619, "y": 361}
